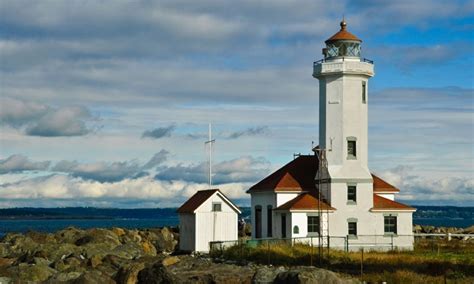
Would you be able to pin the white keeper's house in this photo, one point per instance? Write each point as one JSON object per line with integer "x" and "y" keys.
{"x": 331, "y": 196}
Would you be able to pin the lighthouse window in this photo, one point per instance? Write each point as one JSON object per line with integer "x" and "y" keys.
{"x": 364, "y": 93}
{"x": 351, "y": 149}
{"x": 351, "y": 194}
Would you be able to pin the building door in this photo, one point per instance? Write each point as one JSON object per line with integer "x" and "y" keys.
{"x": 283, "y": 226}
{"x": 258, "y": 222}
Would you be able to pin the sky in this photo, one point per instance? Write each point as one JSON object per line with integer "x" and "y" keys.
{"x": 107, "y": 103}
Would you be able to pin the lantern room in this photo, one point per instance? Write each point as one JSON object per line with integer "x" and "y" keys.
{"x": 343, "y": 44}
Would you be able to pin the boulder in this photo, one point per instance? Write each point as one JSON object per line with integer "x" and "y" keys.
{"x": 98, "y": 236}
{"x": 129, "y": 273}
{"x": 93, "y": 277}
{"x": 55, "y": 252}
{"x": 310, "y": 275}
{"x": 198, "y": 270}
{"x": 95, "y": 260}
{"x": 148, "y": 248}
{"x": 156, "y": 273}
{"x": 20, "y": 244}
{"x": 166, "y": 241}
{"x": 41, "y": 238}
{"x": 71, "y": 263}
{"x": 5, "y": 280}
{"x": 170, "y": 260}
{"x": 64, "y": 277}
{"x": 128, "y": 251}
{"x": 118, "y": 231}
{"x": 267, "y": 274}
{"x": 31, "y": 272}
{"x": 469, "y": 230}
{"x": 69, "y": 235}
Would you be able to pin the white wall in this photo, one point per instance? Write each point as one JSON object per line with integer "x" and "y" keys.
{"x": 187, "y": 232}
{"x": 390, "y": 196}
{"x": 214, "y": 226}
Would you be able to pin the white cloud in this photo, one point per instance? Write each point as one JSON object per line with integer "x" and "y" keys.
{"x": 19, "y": 163}
{"x": 420, "y": 190}
{"x": 69, "y": 190}
{"x": 42, "y": 120}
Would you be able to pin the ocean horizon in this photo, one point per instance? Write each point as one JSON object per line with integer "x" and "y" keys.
{"x": 20, "y": 220}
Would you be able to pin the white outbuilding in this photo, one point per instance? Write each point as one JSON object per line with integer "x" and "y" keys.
{"x": 207, "y": 216}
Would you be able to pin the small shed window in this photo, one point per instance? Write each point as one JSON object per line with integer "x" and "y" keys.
{"x": 296, "y": 230}
{"x": 216, "y": 207}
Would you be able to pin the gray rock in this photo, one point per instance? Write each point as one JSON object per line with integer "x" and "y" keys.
{"x": 155, "y": 274}
{"x": 129, "y": 273}
{"x": 69, "y": 235}
{"x": 93, "y": 277}
{"x": 266, "y": 274}
{"x": 64, "y": 277}
{"x": 5, "y": 280}
{"x": 310, "y": 275}
{"x": 5, "y": 250}
{"x": 31, "y": 272}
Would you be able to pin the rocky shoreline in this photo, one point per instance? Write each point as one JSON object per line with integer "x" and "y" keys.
{"x": 130, "y": 256}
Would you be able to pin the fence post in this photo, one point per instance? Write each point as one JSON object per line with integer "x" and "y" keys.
{"x": 391, "y": 237}
{"x": 347, "y": 243}
{"x": 362, "y": 262}
{"x": 311, "y": 253}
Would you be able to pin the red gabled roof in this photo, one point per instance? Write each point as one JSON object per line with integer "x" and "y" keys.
{"x": 343, "y": 34}
{"x": 196, "y": 200}
{"x": 381, "y": 203}
{"x": 382, "y": 186}
{"x": 298, "y": 175}
{"x": 304, "y": 201}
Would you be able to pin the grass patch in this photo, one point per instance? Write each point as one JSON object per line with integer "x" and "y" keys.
{"x": 431, "y": 261}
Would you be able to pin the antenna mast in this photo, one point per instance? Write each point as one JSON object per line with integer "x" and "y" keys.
{"x": 210, "y": 141}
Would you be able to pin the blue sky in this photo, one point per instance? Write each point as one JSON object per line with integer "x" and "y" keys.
{"x": 107, "y": 103}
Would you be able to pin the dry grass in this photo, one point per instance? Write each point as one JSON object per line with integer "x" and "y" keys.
{"x": 430, "y": 262}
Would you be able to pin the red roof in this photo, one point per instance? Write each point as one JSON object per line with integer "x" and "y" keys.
{"x": 298, "y": 175}
{"x": 343, "y": 34}
{"x": 381, "y": 203}
{"x": 304, "y": 201}
{"x": 382, "y": 186}
{"x": 196, "y": 200}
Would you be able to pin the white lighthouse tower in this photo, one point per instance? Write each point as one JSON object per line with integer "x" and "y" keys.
{"x": 343, "y": 121}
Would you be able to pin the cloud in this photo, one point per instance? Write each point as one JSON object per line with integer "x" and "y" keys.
{"x": 420, "y": 190}
{"x": 157, "y": 159}
{"x": 252, "y": 131}
{"x": 42, "y": 120}
{"x": 62, "y": 190}
{"x": 20, "y": 163}
{"x": 243, "y": 169}
{"x": 110, "y": 171}
{"x": 158, "y": 133}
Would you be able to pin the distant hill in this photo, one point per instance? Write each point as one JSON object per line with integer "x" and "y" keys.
{"x": 425, "y": 215}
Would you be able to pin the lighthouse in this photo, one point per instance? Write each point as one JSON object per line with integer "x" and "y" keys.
{"x": 331, "y": 198}
{"x": 343, "y": 118}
